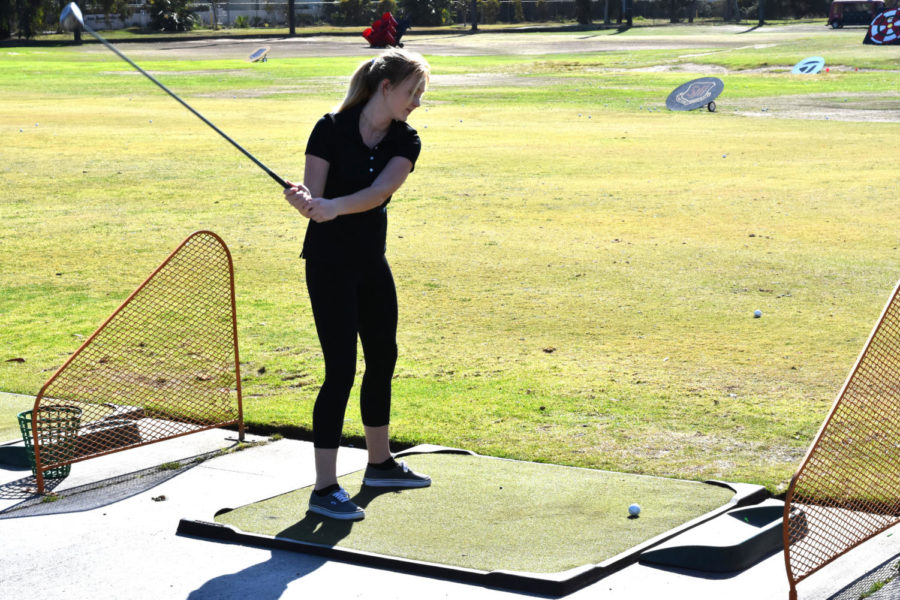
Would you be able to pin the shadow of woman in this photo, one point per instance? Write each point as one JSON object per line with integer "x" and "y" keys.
{"x": 269, "y": 580}
{"x": 263, "y": 581}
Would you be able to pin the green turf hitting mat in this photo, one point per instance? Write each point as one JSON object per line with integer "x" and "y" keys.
{"x": 509, "y": 521}
{"x": 489, "y": 514}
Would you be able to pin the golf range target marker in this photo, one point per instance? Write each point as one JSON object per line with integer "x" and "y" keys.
{"x": 696, "y": 94}
{"x": 885, "y": 27}
{"x": 809, "y": 66}
{"x": 259, "y": 55}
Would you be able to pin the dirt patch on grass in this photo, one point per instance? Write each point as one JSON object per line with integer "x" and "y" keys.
{"x": 859, "y": 107}
{"x": 876, "y": 108}
{"x": 490, "y": 80}
{"x": 212, "y": 72}
{"x": 336, "y": 84}
{"x": 704, "y": 39}
{"x": 684, "y": 67}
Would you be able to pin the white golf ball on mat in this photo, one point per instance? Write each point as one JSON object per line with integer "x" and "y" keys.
{"x": 634, "y": 510}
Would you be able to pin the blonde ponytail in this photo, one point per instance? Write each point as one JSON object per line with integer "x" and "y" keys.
{"x": 395, "y": 65}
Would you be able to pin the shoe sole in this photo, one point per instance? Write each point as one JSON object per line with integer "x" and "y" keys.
{"x": 341, "y": 516}
{"x": 397, "y": 483}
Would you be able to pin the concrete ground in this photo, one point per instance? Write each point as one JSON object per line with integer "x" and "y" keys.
{"x": 129, "y": 549}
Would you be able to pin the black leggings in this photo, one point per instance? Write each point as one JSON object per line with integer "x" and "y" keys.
{"x": 351, "y": 300}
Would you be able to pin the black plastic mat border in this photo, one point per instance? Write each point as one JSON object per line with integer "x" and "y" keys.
{"x": 541, "y": 584}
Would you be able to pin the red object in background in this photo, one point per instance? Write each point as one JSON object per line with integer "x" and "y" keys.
{"x": 383, "y": 32}
{"x": 853, "y": 12}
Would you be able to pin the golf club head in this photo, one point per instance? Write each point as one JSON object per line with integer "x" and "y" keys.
{"x": 70, "y": 18}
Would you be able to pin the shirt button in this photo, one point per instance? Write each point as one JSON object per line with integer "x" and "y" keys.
{"x": 371, "y": 158}
{"x": 370, "y": 170}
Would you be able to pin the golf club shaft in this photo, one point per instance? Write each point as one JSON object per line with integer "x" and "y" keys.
{"x": 268, "y": 171}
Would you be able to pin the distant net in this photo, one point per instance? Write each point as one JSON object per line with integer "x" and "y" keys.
{"x": 164, "y": 364}
{"x": 848, "y": 486}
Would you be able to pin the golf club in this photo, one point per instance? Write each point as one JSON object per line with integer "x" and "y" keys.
{"x": 70, "y": 19}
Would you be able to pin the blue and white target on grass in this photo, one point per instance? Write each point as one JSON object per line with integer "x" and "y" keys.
{"x": 696, "y": 94}
{"x": 809, "y": 66}
{"x": 885, "y": 28}
{"x": 259, "y": 55}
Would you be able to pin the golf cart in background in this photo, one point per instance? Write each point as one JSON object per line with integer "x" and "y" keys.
{"x": 853, "y": 12}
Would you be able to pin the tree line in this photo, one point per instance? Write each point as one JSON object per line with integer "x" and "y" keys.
{"x": 28, "y": 18}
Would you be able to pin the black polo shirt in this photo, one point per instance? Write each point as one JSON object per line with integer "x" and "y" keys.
{"x": 353, "y": 166}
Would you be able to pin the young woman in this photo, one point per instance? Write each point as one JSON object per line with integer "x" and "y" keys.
{"x": 356, "y": 158}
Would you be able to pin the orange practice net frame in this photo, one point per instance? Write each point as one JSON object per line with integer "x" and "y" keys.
{"x": 847, "y": 486}
{"x": 163, "y": 365}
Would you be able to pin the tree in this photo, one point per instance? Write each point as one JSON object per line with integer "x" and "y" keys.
{"x": 7, "y": 18}
{"x": 119, "y": 8}
{"x": 583, "y": 11}
{"x": 490, "y": 10}
{"x": 518, "y": 11}
{"x": 384, "y": 6}
{"x": 626, "y": 13}
{"x": 292, "y": 17}
{"x": 732, "y": 10}
{"x": 30, "y": 16}
{"x": 677, "y": 9}
{"x": 171, "y": 15}
{"x": 424, "y": 12}
{"x": 351, "y": 12}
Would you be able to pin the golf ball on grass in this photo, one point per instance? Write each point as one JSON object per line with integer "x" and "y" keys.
{"x": 757, "y": 314}
{"x": 634, "y": 510}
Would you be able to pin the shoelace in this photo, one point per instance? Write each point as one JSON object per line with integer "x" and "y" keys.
{"x": 403, "y": 466}
{"x": 341, "y": 495}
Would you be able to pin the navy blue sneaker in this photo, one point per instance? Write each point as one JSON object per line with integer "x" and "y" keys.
{"x": 400, "y": 476}
{"x": 336, "y": 505}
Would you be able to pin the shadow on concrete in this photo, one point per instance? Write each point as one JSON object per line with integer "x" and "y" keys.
{"x": 25, "y": 489}
{"x": 270, "y": 579}
{"x": 882, "y": 578}
{"x": 90, "y": 495}
{"x": 263, "y": 581}
{"x": 710, "y": 575}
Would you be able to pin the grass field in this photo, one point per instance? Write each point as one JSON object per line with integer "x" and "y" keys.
{"x": 10, "y": 407}
{"x": 577, "y": 267}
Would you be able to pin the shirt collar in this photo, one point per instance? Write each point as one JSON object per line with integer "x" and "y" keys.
{"x": 348, "y": 122}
